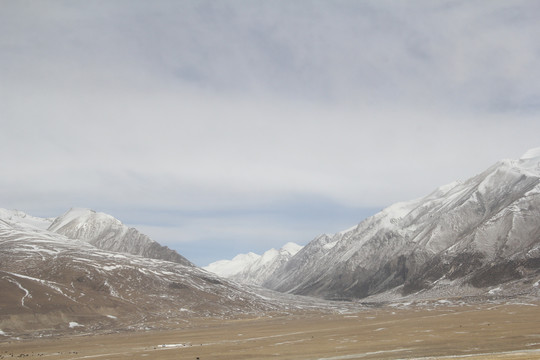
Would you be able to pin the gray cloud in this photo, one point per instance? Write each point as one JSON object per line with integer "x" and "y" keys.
{"x": 446, "y": 52}
{"x": 211, "y": 106}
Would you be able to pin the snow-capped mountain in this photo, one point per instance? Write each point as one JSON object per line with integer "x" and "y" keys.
{"x": 467, "y": 237}
{"x": 51, "y": 283}
{"x": 230, "y": 268}
{"x": 108, "y": 233}
{"x": 254, "y": 269}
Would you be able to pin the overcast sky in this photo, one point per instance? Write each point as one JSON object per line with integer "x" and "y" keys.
{"x": 219, "y": 127}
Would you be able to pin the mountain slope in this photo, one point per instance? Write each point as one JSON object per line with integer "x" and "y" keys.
{"x": 254, "y": 269}
{"x": 464, "y": 237}
{"x": 107, "y": 233}
{"x": 19, "y": 217}
{"x": 50, "y": 283}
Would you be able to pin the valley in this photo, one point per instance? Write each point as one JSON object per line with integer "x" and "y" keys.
{"x": 452, "y": 275}
{"x": 430, "y": 330}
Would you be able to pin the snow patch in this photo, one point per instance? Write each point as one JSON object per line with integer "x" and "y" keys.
{"x": 173, "y": 345}
{"x": 27, "y": 293}
{"x": 74, "y": 324}
{"x": 111, "y": 267}
{"x": 330, "y": 245}
{"x": 361, "y": 355}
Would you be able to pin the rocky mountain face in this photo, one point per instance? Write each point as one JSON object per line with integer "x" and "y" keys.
{"x": 108, "y": 233}
{"x": 472, "y": 237}
{"x": 254, "y": 269}
{"x": 50, "y": 283}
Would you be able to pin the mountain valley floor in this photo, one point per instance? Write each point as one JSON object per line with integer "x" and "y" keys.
{"x": 495, "y": 330}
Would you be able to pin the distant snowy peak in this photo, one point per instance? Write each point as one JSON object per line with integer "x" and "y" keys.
{"x": 291, "y": 248}
{"x": 108, "y": 233}
{"x": 19, "y": 217}
{"x": 229, "y": 268}
{"x": 265, "y": 267}
{"x": 254, "y": 269}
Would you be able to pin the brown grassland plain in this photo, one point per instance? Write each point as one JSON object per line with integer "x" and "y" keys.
{"x": 486, "y": 331}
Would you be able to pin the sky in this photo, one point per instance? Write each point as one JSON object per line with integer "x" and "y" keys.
{"x": 223, "y": 127}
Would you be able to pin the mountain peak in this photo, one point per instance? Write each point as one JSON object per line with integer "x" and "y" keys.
{"x": 291, "y": 248}
{"x": 108, "y": 233}
{"x": 73, "y": 214}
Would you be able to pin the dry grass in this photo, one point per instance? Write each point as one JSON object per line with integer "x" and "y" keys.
{"x": 470, "y": 332}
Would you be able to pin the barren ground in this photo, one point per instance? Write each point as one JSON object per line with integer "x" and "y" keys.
{"x": 488, "y": 331}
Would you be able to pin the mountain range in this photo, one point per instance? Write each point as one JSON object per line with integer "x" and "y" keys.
{"x": 479, "y": 236}
{"x": 85, "y": 271}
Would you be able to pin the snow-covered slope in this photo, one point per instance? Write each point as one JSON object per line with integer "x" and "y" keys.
{"x": 48, "y": 281}
{"x": 229, "y": 268}
{"x": 254, "y": 269}
{"x": 464, "y": 237}
{"x": 16, "y": 216}
{"x": 108, "y": 233}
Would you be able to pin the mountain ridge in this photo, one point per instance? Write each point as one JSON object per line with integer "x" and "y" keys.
{"x": 464, "y": 238}
{"x": 108, "y": 233}
{"x": 454, "y": 232}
